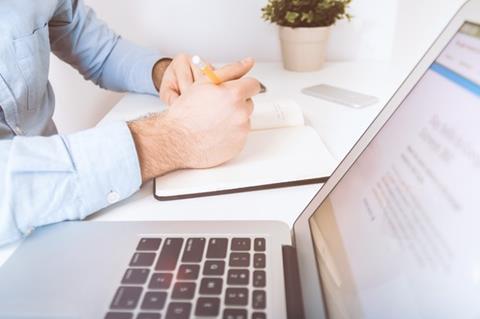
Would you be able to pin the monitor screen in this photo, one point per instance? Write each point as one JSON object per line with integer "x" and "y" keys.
{"x": 399, "y": 235}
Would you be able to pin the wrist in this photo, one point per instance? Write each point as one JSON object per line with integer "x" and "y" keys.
{"x": 158, "y": 71}
{"x": 157, "y": 144}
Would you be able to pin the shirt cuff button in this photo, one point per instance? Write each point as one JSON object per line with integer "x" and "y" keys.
{"x": 113, "y": 197}
{"x": 28, "y": 231}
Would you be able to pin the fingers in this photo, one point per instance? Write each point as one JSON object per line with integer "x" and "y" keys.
{"x": 243, "y": 114}
{"x": 197, "y": 73}
{"x": 169, "y": 91}
{"x": 249, "y": 106}
{"x": 244, "y": 88}
{"x": 235, "y": 70}
{"x": 184, "y": 76}
{"x": 169, "y": 96}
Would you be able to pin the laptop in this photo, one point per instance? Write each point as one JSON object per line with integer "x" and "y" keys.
{"x": 393, "y": 233}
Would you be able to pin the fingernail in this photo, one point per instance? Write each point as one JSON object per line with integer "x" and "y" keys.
{"x": 263, "y": 88}
{"x": 247, "y": 61}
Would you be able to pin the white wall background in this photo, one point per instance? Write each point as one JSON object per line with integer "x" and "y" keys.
{"x": 224, "y": 30}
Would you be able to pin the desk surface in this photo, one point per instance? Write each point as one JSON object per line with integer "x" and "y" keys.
{"x": 337, "y": 125}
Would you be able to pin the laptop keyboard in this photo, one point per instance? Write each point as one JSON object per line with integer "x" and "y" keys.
{"x": 174, "y": 278}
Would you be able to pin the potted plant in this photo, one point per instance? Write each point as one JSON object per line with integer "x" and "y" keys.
{"x": 304, "y": 28}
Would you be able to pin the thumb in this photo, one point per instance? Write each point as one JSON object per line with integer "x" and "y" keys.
{"x": 236, "y": 70}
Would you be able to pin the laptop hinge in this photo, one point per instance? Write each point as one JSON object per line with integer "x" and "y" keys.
{"x": 293, "y": 289}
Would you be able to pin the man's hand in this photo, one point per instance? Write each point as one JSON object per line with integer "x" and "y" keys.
{"x": 175, "y": 77}
{"x": 206, "y": 126}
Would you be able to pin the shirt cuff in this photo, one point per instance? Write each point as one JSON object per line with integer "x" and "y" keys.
{"x": 107, "y": 165}
{"x": 129, "y": 68}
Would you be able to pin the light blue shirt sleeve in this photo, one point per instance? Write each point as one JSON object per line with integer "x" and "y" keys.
{"x": 79, "y": 38}
{"x": 46, "y": 180}
{"x": 50, "y": 178}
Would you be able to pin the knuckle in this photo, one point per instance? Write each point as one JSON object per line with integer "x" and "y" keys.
{"x": 181, "y": 55}
{"x": 254, "y": 82}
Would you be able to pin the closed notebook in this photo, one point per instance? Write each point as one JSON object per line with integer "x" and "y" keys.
{"x": 280, "y": 151}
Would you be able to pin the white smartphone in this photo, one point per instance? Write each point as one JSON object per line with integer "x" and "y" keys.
{"x": 339, "y": 95}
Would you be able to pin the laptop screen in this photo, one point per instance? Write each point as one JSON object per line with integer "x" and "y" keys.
{"x": 399, "y": 235}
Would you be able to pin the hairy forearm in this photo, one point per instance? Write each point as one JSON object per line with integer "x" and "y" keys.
{"x": 158, "y": 143}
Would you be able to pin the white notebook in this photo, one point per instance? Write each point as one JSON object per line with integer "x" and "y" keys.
{"x": 280, "y": 151}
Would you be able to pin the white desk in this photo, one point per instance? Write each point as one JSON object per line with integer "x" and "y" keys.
{"x": 338, "y": 126}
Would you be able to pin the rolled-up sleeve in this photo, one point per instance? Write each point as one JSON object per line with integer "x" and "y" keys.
{"x": 79, "y": 38}
{"x": 50, "y": 179}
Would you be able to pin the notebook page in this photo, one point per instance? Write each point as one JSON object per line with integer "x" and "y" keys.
{"x": 276, "y": 114}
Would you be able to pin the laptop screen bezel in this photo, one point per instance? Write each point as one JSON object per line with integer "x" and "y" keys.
{"x": 311, "y": 287}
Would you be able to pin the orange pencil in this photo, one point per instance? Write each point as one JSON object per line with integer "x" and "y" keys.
{"x": 211, "y": 75}
{"x": 206, "y": 69}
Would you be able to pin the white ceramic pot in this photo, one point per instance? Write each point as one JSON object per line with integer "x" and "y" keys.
{"x": 303, "y": 49}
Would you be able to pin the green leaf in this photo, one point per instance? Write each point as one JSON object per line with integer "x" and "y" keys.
{"x": 307, "y": 17}
{"x": 291, "y": 16}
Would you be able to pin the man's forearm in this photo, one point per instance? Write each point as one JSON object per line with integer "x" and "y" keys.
{"x": 159, "y": 143}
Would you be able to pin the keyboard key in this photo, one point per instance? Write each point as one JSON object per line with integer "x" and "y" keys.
{"x": 160, "y": 281}
{"x": 135, "y": 276}
{"x": 240, "y": 244}
{"x": 238, "y": 277}
{"x": 259, "y": 278}
{"x": 149, "y": 244}
{"x": 193, "y": 250}
{"x": 119, "y": 315}
{"x": 234, "y": 314}
{"x": 236, "y": 297}
{"x": 259, "y": 315}
{"x": 239, "y": 260}
{"x": 186, "y": 272}
{"x": 214, "y": 268}
{"x": 169, "y": 254}
{"x": 142, "y": 259}
{"x": 178, "y": 310}
{"x": 259, "y": 260}
{"x": 207, "y": 307}
{"x": 217, "y": 248}
{"x": 258, "y": 299}
{"x": 183, "y": 290}
{"x": 259, "y": 244}
{"x": 126, "y": 298}
{"x": 154, "y": 300}
{"x": 211, "y": 286}
{"x": 148, "y": 315}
